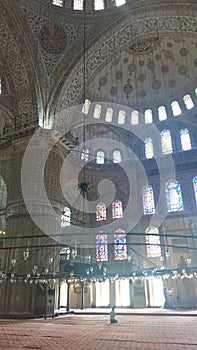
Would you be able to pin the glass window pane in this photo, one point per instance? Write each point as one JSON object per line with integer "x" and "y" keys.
{"x": 101, "y": 247}
{"x": 166, "y": 142}
{"x": 98, "y": 4}
{"x": 100, "y": 212}
{"x": 100, "y": 158}
{"x": 149, "y": 148}
{"x": 109, "y": 115}
{"x": 117, "y": 211}
{"x": 176, "y": 110}
{"x": 162, "y": 113}
{"x": 135, "y": 118}
{"x": 97, "y": 111}
{"x": 185, "y": 140}
{"x": 78, "y": 5}
{"x": 85, "y": 154}
{"x": 173, "y": 196}
{"x": 86, "y": 107}
{"x": 188, "y": 102}
{"x": 153, "y": 242}
{"x": 57, "y": 2}
{"x": 120, "y": 2}
{"x": 116, "y": 156}
{"x": 120, "y": 245}
{"x": 65, "y": 217}
{"x": 148, "y": 200}
{"x": 121, "y": 117}
{"x": 148, "y": 115}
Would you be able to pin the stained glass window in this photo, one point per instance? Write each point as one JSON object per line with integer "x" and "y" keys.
{"x": 109, "y": 115}
{"x": 121, "y": 117}
{"x": 153, "y": 247}
{"x": 120, "y": 245}
{"x": 98, "y": 4}
{"x": 85, "y": 155}
{"x": 148, "y": 115}
{"x": 176, "y": 110}
{"x": 188, "y": 101}
{"x": 78, "y": 5}
{"x": 166, "y": 141}
{"x": 117, "y": 211}
{"x": 185, "y": 140}
{"x": 65, "y": 217}
{"x": 100, "y": 157}
{"x": 135, "y": 118}
{"x": 148, "y": 200}
{"x": 148, "y": 148}
{"x": 100, "y": 212}
{"x": 97, "y": 111}
{"x": 116, "y": 156}
{"x": 101, "y": 247}
{"x": 195, "y": 187}
{"x": 86, "y": 107}
{"x": 173, "y": 196}
{"x": 162, "y": 113}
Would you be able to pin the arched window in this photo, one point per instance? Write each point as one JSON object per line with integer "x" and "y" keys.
{"x": 134, "y": 117}
{"x": 100, "y": 212}
{"x": 120, "y": 245}
{"x": 121, "y": 117}
{"x": 148, "y": 200}
{"x": 189, "y": 104}
{"x": 149, "y": 148}
{"x": 162, "y": 113}
{"x": 120, "y": 2}
{"x": 65, "y": 217}
{"x": 195, "y": 187}
{"x": 117, "y": 211}
{"x": 148, "y": 116}
{"x": 176, "y": 110}
{"x": 195, "y": 91}
{"x": 116, "y": 156}
{"x": 166, "y": 142}
{"x": 57, "y": 2}
{"x": 98, "y": 5}
{"x": 109, "y": 115}
{"x": 173, "y": 196}
{"x": 185, "y": 140}
{"x": 101, "y": 247}
{"x": 97, "y": 111}
{"x": 86, "y": 107}
{"x": 85, "y": 154}
{"x": 100, "y": 157}
{"x": 153, "y": 246}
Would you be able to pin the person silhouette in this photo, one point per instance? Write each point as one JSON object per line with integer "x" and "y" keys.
{"x": 112, "y": 315}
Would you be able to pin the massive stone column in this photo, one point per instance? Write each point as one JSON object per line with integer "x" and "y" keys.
{"x": 31, "y": 251}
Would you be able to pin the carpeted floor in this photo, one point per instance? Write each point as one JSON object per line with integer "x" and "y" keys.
{"x": 93, "y": 332}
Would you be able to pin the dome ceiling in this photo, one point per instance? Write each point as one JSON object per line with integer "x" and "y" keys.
{"x": 148, "y": 71}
